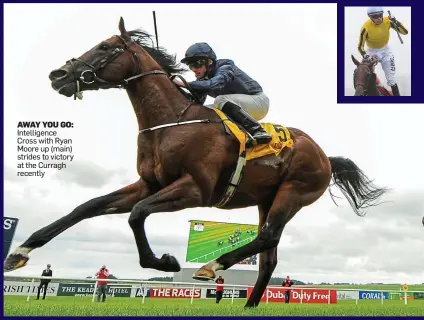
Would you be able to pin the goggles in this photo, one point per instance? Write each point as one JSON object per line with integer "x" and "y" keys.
{"x": 376, "y": 15}
{"x": 197, "y": 64}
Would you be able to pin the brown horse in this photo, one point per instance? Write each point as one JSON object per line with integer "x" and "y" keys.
{"x": 189, "y": 165}
{"x": 365, "y": 79}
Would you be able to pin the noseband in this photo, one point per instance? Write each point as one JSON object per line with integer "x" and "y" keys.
{"x": 89, "y": 76}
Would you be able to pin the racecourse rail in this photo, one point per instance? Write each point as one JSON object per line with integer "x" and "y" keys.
{"x": 201, "y": 285}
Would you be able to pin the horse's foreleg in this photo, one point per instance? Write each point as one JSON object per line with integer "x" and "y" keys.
{"x": 120, "y": 201}
{"x": 181, "y": 194}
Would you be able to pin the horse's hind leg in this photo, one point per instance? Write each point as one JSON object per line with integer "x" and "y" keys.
{"x": 267, "y": 261}
{"x": 120, "y": 201}
{"x": 285, "y": 205}
{"x": 290, "y": 198}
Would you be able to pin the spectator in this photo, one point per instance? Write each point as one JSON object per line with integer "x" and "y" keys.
{"x": 44, "y": 282}
{"x": 287, "y": 283}
{"x": 103, "y": 273}
{"x": 219, "y": 288}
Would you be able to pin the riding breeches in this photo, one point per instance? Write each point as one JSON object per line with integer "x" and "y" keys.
{"x": 256, "y": 105}
{"x": 386, "y": 58}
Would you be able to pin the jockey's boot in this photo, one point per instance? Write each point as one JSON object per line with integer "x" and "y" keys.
{"x": 395, "y": 90}
{"x": 246, "y": 120}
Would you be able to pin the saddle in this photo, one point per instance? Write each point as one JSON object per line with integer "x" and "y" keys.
{"x": 281, "y": 137}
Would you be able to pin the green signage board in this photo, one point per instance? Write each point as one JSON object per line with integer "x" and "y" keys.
{"x": 87, "y": 289}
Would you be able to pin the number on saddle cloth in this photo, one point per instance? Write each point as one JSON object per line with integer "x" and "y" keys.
{"x": 281, "y": 131}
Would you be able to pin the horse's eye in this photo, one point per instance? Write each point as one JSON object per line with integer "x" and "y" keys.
{"x": 104, "y": 47}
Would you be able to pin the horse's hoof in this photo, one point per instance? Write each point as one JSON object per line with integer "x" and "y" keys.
{"x": 204, "y": 274}
{"x": 171, "y": 263}
{"x": 15, "y": 261}
{"x": 249, "y": 306}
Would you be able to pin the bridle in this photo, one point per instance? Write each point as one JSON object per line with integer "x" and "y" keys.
{"x": 367, "y": 78}
{"x": 89, "y": 76}
{"x": 91, "y": 73}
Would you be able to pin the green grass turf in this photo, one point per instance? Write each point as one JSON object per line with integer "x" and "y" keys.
{"x": 82, "y": 306}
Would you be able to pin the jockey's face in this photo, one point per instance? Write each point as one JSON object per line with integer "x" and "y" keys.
{"x": 199, "y": 68}
{"x": 377, "y": 19}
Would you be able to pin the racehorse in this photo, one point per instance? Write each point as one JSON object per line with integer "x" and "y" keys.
{"x": 365, "y": 80}
{"x": 189, "y": 165}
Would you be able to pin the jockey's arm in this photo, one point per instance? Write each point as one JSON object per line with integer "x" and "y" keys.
{"x": 395, "y": 24}
{"x": 223, "y": 75}
{"x": 362, "y": 38}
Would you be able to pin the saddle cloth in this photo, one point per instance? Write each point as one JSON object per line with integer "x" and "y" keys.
{"x": 280, "y": 138}
{"x": 384, "y": 91}
{"x": 381, "y": 88}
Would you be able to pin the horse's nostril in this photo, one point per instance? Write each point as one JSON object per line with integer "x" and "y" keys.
{"x": 57, "y": 74}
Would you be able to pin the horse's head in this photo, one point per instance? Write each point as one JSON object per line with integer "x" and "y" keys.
{"x": 111, "y": 64}
{"x": 364, "y": 77}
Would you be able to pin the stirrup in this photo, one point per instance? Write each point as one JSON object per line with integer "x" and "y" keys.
{"x": 251, "y": 143}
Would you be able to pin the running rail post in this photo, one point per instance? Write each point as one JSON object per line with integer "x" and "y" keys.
{"x": 192, "y": 294}
{"x": 94, "y": 291}
{"x": 29, "y": 292}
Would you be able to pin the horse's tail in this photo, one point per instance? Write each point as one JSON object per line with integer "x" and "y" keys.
{"x": 354, "y": 184}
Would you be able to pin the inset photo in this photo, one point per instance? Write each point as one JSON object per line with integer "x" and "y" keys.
{"x": 377, "y": 58}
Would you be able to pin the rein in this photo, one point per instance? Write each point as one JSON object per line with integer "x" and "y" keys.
{"x": 89, "y": 76}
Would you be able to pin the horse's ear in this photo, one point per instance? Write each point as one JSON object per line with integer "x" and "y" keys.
{"x": 356, "y": 62}
{"x": 122, "y": 26}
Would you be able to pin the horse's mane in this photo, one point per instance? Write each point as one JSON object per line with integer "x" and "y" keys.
{"x": 167, "y": 61}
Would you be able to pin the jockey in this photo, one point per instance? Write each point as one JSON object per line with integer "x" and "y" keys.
{"x": 375, "y": 32}
{"x": 236, "y": 94}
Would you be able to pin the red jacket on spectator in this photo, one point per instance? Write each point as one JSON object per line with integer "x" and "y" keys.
{"x": 288, "y": 283}
{"x": 220, "y": 282}
{"x": 103, "y": 273}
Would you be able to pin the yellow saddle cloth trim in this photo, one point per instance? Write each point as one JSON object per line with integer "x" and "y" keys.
{"x": 280, "y": 138}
